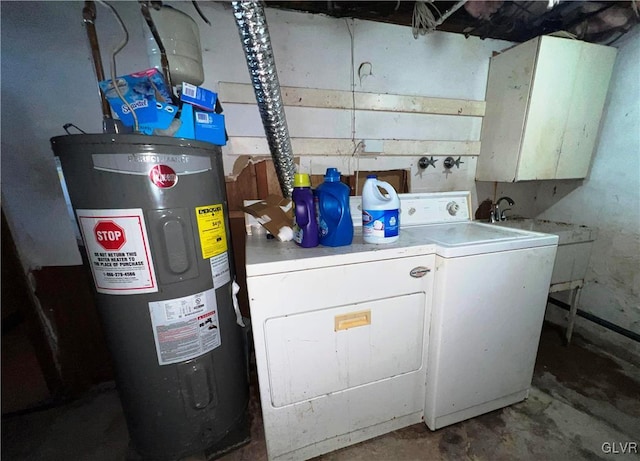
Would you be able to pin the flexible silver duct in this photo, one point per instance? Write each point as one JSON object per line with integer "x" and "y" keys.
{"x": 256, "y": 43}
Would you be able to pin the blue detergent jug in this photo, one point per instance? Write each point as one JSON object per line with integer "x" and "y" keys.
{"x": 334, "y": 216}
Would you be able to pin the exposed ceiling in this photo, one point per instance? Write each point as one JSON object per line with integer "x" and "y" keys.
{"x": 593, "y": 21}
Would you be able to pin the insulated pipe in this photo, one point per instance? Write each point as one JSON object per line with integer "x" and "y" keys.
{"x": 256, "y": 43}
{"x": 144, "y": 7}
{"x": 89, "y": 18}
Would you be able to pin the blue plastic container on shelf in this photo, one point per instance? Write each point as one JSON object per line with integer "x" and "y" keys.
{"x": 334, "y": 216}
{"x": 305, "y": 224}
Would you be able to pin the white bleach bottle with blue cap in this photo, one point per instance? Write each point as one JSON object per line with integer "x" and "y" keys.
{"x": 380, "y": 212}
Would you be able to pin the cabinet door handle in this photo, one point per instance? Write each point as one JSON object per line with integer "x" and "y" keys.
{"x": 419, "y": 271}
{"x": 352, "y": 320}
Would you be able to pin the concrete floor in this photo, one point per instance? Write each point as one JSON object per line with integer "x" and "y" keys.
{"x": 585, "y": 404}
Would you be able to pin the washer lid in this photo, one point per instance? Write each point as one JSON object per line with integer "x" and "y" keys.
{"x": 469, "y": 238}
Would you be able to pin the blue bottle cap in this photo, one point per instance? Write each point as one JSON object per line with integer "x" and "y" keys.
{"x": 374, "y": 176}
{"x": 332, "y": 175}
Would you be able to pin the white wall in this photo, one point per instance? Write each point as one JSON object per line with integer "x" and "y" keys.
{"x": 609, "y": 199}
{"x": 315, "y": 51}
{"x": 48, "y": 80}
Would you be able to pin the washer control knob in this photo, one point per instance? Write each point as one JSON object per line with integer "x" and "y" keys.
{"x": 452, "y": 208}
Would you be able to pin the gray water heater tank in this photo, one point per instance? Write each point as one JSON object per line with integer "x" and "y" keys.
{"x": 154, "y": 220}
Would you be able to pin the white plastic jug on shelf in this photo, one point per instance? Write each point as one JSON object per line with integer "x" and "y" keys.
{"x": 380, "y": 212}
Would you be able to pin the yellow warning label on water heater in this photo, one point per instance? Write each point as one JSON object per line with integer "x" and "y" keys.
{"x": 213, "y": 235}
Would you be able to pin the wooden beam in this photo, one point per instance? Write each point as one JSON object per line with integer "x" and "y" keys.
{"x": 241, "y": 93}
{"x": 257, "y": 146}
{"x": 262, "y": 181}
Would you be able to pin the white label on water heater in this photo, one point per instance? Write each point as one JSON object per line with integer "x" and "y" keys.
{"x": 118, "y": 250}
{"x": 220, "y": 269}
{"x": 185, "y": 328}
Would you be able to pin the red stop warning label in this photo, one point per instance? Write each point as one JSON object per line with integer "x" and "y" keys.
{"x": 118, "y": 252}
{"x": 109, "y": 235}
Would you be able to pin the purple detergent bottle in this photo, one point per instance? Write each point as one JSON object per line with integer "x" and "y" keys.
{"x": 305, "y": 223}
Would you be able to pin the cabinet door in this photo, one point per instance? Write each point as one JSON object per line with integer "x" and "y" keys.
{"x": 550, "y": 100}
{"x": 593, "y": 72}
{"x": 508, "y": 88}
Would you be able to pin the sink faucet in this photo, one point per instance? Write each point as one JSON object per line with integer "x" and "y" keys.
{"x": 496, "y": 214}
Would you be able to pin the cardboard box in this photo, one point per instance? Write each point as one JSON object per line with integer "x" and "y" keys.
{"x": 399, "y": 179}
{"x": 165, "y": 115}
{"x": 201, "y": 126}
{"x": 187, "y": 126}
{"x": 273, "y": 213}
{"x": 199, "y": 97}
{"x": 209, "y": 127}
{"x": 142, "y": 90}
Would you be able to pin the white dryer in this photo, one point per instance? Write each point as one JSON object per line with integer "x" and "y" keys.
{"x": 340, "y": 337}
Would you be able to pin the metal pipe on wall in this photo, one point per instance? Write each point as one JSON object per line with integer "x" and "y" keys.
{"x": 256, "y": 44}
{"x": 600, "y": 321}
{"x": 109, "y": 124}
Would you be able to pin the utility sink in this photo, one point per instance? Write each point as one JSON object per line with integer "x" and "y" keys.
{"x": 574, "y": 245}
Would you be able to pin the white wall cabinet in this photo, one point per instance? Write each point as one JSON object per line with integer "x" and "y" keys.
{"x": 544, "y": 103}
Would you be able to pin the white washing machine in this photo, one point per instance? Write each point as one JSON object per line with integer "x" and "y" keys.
{"x": 353, "y": 342}
{"x": 490, "y": 296}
